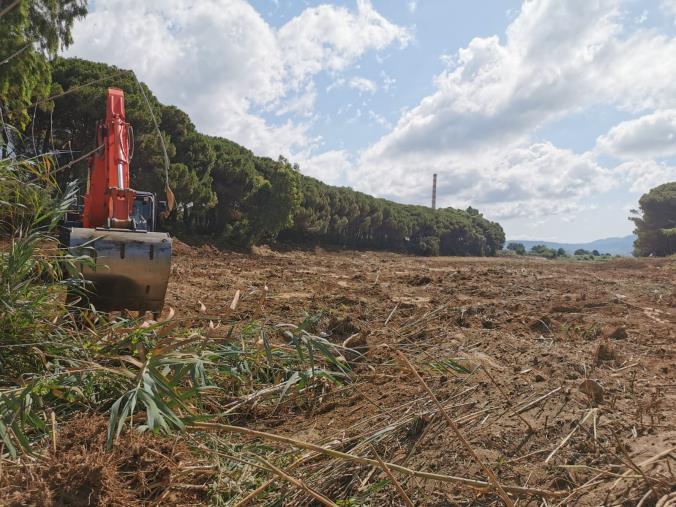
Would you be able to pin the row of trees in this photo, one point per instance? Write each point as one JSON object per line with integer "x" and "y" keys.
{"x": 341, "y": 216}
{"x": 222, "y": 190}
{"x": 539, "y": 250}
{"x": 552, "y": 253}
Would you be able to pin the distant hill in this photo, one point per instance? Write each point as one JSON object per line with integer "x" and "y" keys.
{"x": 614, "y": 246}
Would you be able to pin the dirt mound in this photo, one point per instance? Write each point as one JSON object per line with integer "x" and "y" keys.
{"x": 342, "y": 328}
{"x": 262, "y": 251}
{"x": 141, "y": 468}
{"x": 420, "y": 280}
{"x": 180, "y": 248}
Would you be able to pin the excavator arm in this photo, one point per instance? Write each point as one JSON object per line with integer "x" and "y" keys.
{"x": 109, "y": 200}
{"x": 130, "y": 261}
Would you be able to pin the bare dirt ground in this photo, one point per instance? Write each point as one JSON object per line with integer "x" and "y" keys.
{"x": 561, "y": 375}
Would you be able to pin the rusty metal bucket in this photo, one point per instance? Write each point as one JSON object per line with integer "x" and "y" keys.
{"x": 129, "y": 269}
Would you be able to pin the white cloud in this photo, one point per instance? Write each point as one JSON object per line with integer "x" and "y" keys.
{"x": 642, "y": 175}
{"x": 302, "y": 103}
{"x": 362, "y": 84}
{"x": 650, "y": 136}
{"x": 329, "y": 167}
{"x": 669, "y": 6}
{"x": 331, "y": 38}
{"x": 221, "y": 62}
{"x": 498, "y": 94}
{"x": 637, "y": 74}
{"x": 412, "y": 6}
{"x": 533, "y": 180}
{"x": 476, "y": 129}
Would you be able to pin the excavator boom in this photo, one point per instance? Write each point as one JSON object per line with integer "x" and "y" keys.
{"x": 109, "y": 199}
{"x": 130, "y": 261}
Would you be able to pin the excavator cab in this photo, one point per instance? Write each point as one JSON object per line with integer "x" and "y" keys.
{"x": 130, "y": 260}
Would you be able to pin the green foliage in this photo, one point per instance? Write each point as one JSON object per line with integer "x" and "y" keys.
{"x": 32, "y": 271}
{"x": 582, "y": 251}
{"x": 548, "y": 253}
{"x": 342, "y": 217}
{"x": 656, "y": 222}
{"x": 32, "y": 33}
{"x": 53, "y": 360}
{"x": 518, "y": 248}
{"x": 225, "y": 192}
{"x": 543, "y": 251}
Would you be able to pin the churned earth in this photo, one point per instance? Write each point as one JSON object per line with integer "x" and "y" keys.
{"x": 560, "y": 374}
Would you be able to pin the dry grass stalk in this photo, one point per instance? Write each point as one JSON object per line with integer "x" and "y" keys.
{"x": 509, "y": 403}
{"x": 53, "y": 418}
{"x": 636, "y": 468}
{"x": 387, "y": 471}
{"x": 391, "y": 313}
{"x": 472, "y": 483}
{"x": 567, "y": 437}
{"x": 535, "y": 402}
{"x": 489, "y": 473}
{"x": 235, "y": 301}
{"x": 248, "y": 498}
{"x": 648, "y": 461}
{"x": 298, "y": 483}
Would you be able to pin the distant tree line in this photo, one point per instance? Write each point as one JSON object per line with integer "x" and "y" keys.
{"x": 222, "y": 190}
{"x": 552, "y": 253}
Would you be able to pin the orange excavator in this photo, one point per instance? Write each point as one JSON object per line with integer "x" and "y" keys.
{"x": 116, "y": 226}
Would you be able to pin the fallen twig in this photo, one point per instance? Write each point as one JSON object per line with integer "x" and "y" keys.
{"x": 244, "y": 501}
{"x": 530, "y": 405}
{"x": 657, "y": 457}
{"x": 391, "y": 313}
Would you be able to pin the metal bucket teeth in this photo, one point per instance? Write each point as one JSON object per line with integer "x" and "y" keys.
{"x": 131, "y": 269}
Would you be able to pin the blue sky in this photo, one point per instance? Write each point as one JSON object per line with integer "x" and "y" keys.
{"x": 551, "y": 117}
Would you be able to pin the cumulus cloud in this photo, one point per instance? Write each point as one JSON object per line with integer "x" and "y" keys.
{"x": 536, "y": 179}
{"x": 476, "y": 129}
{"x": 330, "y": 166}
{"x": 642, "y": 175}
{"x": 499, "y": 93}
{"x": 223, "y": 63}
{"x": 650, "y": 136}
{"x": 330, "y": 37}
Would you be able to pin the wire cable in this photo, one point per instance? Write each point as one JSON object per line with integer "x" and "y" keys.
{"x": 170, "y": 194}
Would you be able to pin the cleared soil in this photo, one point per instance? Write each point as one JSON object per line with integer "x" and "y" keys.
{"x": 583, "y": 353}
{"x": 560, "y": 375}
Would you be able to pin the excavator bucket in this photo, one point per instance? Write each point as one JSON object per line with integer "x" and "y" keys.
{"x": 129, "y": 269}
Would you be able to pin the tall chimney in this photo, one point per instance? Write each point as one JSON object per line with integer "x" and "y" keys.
{"x": 434, "y": 192}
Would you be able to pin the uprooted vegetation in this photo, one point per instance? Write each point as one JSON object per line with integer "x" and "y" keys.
{"x": 283, "y": 378}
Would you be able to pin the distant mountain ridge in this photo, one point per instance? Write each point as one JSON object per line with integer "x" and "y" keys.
{"x": 613, "y": 246}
